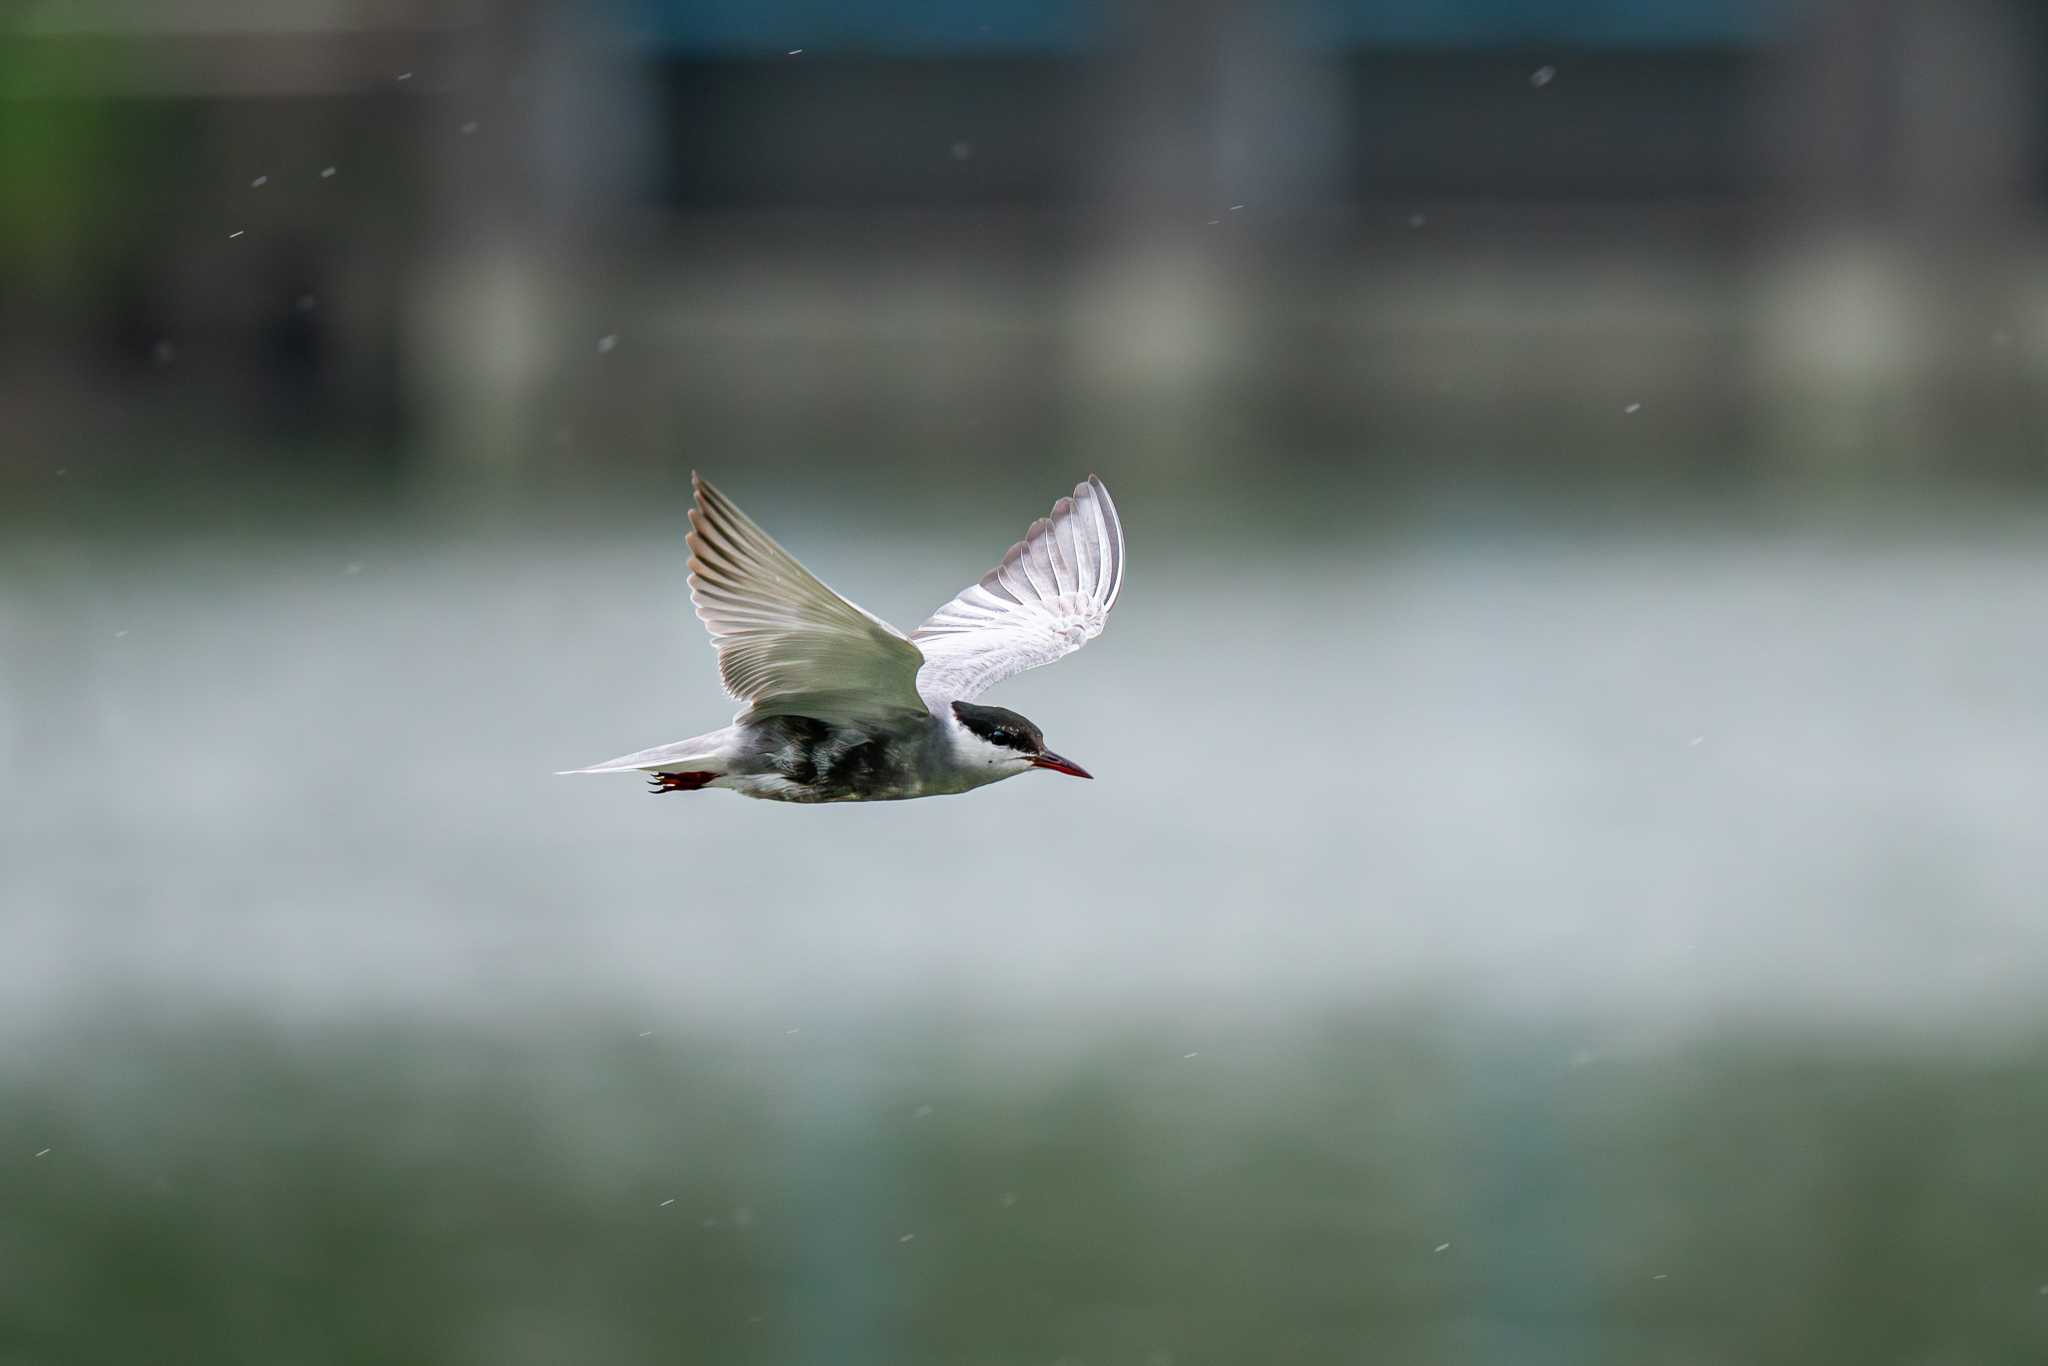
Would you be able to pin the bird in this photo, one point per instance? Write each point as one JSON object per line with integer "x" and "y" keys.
{"x": 840, "y": 706}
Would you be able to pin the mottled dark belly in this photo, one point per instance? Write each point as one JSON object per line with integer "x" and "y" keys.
{"x": 834, "y": 763}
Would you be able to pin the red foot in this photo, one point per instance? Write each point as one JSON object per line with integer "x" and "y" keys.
{"x": 678, "y": 782}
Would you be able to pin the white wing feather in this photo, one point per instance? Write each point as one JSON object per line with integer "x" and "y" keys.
{"x": 1050, "y": 596}
{"x": 787, "y": 644}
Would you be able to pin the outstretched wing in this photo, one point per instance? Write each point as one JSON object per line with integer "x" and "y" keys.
{"x": 1050, "y": 596}
{"x": 787, "y": 644}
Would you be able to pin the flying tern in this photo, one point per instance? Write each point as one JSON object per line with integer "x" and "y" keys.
{"x": 843, "y": 707}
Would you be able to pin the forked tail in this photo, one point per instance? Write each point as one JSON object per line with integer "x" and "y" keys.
{"x": 684, "y": 766}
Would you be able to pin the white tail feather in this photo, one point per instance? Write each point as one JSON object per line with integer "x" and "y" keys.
{"x": 700, "y": 754}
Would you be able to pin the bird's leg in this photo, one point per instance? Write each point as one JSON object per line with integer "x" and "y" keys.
{"x": 678, "y": 782}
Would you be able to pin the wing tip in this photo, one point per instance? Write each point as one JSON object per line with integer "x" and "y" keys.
{"x": 1098, "y": 495}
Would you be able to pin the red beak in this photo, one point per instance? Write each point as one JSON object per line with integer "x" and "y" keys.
{"x": 1059, "y": 765}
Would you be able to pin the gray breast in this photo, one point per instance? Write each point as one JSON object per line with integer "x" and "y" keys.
{"x": 834, "y": 763}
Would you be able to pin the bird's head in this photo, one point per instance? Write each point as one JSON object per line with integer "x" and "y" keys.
{"x": 1007, "y": 743}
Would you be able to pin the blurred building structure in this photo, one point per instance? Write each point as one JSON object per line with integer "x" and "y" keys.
{"x": 497, "y": 237}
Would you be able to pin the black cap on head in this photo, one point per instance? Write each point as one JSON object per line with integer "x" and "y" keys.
{"x": 1001, "y": 726}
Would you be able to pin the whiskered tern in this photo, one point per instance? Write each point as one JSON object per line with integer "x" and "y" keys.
{"x": 843, "y": 707}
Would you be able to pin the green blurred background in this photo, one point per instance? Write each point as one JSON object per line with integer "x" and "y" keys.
{"x": 1565, "y": 879}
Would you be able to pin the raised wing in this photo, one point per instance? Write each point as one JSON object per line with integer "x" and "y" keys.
{"x": 1050, "y": 596}
{"x": 787, "y": 644}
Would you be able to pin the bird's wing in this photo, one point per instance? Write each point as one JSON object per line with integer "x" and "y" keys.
{"x": 787, "y": 644}
{"x": 1050, "y": 596}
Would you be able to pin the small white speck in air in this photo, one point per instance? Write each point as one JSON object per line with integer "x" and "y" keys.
{"x": 1696, "y": 742}
{"x": 906, "y": 1237}
{"x": 962, "y": 150}
{"x": 647, "y": 1034}
{"x": 62, "y": 470}
{"x": 606, "y": 343}
{"x": 259, "y": 182}
{"x": 469, "y": 128}
{"x": 792, "y": 1031}
{"x": 1633, "y": 408}
{"x": 1418, "y": 220}
{"x": 796, "y": 52}
{"x": 666, "y": 1203}
{"x": 46, "y": 1152}
{"x": 1661, "y": 1276}
{"x": 354, "y": 567}
{"x": 1542, "y": 76}
{"x": 120, "y": 635}
{"x": 305, "y": 303}
{"x": 1235, "y": 207}
{"x": 1191, "y": 1055}
{"x": 405, "y": 75}
{"x": 327, "y": 172}
{"x": 1443, "y": 1247}
{"x": 707, "y": 1223}
{"x": 1214, "y": 221}
{"x": 921, "y": 1112}
{"x": 1007, "y": 1199}
{"x": 236, "y": 233}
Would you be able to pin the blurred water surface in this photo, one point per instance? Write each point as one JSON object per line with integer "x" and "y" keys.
{"x": 1481, "y": 944}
